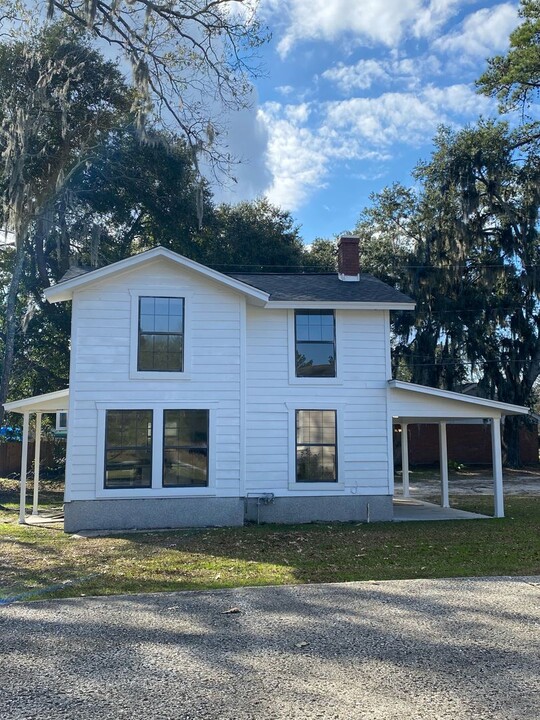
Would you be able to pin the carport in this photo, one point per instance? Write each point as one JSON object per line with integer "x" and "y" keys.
{"x": 38, "y": 405}
{"x": 409, "y": 403}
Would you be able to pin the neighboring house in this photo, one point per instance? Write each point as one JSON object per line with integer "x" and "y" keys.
{"x": 203, "y": 398}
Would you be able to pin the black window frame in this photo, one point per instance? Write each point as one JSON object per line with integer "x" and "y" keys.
{"x": 186, "y": 447}
{"x": 318, "y": 444}
{"x": 331, "y": 343}
{"x": 111, "y": 448}
{"x": 167, "y": 334}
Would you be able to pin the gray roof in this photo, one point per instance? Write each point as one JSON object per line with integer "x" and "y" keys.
{"x": 322, "y": 287}
{"x": 305, "y": 287}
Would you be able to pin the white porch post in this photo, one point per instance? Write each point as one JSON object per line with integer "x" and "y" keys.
{"x": 24, "y": 468}
{"x": 496, "y": 452}
{"x": 36, "y": 463}
{"x": 443, "y": 461}
{"x": 405, "y": 459}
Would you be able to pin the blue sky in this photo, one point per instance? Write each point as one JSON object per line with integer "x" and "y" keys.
{"x": 352, "y": 95}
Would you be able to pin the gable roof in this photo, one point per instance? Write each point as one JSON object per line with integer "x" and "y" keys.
{"x": 72, "y": 280}
{"x": 273, "y": 289}
{"x": 323, "y": 287}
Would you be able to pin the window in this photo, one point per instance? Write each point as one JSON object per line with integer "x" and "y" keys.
{"x": 161, "y": 334}
{"x": 128, "y": 449}
{"x": 185, "y": 448}
{"x": 61, "y": 421}
{"x": 315, "y": 343}
{"x": 316, "y": 446}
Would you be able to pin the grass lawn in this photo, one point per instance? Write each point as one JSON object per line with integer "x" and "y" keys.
{"x": 32, "y": 559}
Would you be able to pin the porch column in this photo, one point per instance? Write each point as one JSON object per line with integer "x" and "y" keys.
{"x": 36, "y": 463}
{"x": 24, "y": 467}
{"x": 405, "y": 459}
{"x": 443, "y": 462}
{"x": 498, "y": 496}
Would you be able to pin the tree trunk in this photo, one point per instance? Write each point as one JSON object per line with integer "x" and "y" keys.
{"x": 11, "y": 327}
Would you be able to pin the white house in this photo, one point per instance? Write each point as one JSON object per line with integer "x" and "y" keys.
{"x": 202, "y": 398}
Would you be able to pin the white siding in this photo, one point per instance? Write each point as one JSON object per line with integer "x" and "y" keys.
{"x": 100, "y": 374}
{"x": 240, "y": 366}
{"x": 358, "y": 395}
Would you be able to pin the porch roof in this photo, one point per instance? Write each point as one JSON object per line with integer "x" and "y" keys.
{"x": 409, "y": 402}
{"x": 50, "y": 402}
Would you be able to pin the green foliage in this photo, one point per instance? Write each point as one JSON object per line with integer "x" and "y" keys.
{"x": 464, "y": 244}
{"x": 514, "y": 78}
{"x": 321, "y": 256}
{"x": 251, "y": 237}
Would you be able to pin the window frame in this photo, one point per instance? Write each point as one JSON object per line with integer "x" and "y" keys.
{"x": 313, "y": 381}
{"x": 157, "y": 489}
{"x": 314, "y": 312}
{"x": 160, "y": 333}
{"x": 325, "y": 487}
{"x": 107, "y": 448}
{"x": 186, "y": 447}
{"x": 162, "y": 292}
{"x": 318, "y": 445}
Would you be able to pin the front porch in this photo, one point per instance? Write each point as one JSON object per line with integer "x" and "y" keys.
{"x": 39, "y": 405}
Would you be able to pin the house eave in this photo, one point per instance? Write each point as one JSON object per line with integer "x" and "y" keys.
{"x": 337, "y": 305}
{"x": 64, "y": 290}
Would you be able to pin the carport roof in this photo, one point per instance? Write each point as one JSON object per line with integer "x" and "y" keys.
{"x": 407, "y": 406}
{"x": 50, "y": 402}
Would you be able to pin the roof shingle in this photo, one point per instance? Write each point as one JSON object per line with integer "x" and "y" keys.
{"x": 322, "y": 287}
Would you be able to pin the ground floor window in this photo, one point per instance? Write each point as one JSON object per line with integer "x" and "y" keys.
{"x": 316, "y": 446}
{"x": 128, "y": 449}
{"x": 185, "y": 448}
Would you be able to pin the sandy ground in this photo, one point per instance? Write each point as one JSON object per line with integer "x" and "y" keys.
{"x": 475, "y": 482}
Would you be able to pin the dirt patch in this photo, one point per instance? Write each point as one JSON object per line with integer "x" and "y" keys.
{"x": 522, "y": 482}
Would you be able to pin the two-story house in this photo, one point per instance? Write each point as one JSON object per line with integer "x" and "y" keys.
{"x": 202, "y": 398}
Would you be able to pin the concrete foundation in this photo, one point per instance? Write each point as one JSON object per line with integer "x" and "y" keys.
{"x": 152, "y": 513}
{"x": 148, "y": 513}
{"x": 343, "y": 508}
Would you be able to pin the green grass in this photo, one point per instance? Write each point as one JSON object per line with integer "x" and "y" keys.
{"x": 32, "y": 559}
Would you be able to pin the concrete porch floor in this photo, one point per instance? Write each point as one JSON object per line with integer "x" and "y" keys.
{"x": 407, "y": 509}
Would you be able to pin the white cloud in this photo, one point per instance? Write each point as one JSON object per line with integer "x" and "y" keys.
{"x": 482, "y": 33}
{"x": 247, "y": 140}
{"x": 362, "y": 75}
{"x": 372, "y": 21}
{"x": 370, "y": 129}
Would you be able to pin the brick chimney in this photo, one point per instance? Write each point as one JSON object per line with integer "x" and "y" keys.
{"x": 348, "y": 258}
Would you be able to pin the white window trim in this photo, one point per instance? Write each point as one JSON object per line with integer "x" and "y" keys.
{"x": 311, "y": 382}
{"x": 156, "y": 490}
{"x": 339, "y": 409}
{"x": 172, "y": 292}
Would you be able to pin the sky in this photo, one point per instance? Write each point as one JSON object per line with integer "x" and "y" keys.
{"x": 351, "y": 95}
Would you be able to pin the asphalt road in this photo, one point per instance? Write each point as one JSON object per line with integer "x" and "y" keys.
{"x": 434, "y": 649}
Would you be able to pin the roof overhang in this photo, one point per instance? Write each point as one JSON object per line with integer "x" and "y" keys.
{"x": 64, "y": 290}
{"x": 409, "y": 402}
{"x": 50, "y": 402}
{"x": 337, "y": 305}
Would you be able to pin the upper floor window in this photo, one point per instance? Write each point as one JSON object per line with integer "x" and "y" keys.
{"x": 161, "y": 334}
{"x": 315, "y": 344}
